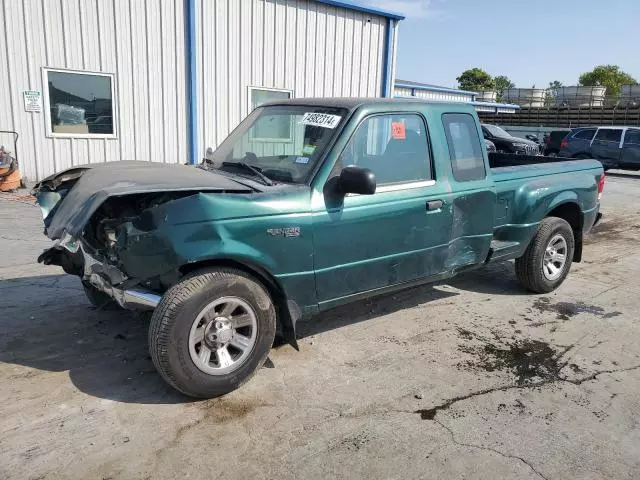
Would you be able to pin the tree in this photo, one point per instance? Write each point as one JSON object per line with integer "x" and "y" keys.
{"x": 502, "y": 83}
{"x": 552, "y": 92}
{"x": 555, "y": 85}
{"x": 609, "y": 76}
{"x": 475, "y": 79}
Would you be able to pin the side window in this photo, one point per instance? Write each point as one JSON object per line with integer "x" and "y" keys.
{"x": 609, "y": 135}
{"x": 393, "y": 147}
{"x": 632, "y": 137}
{"x": 464, "y": 147}
{"x": 586, "y": 134}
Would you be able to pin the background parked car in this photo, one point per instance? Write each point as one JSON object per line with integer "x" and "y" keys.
{"x": 506, "y": 143}
{"x": 491, "y": 147}
{"x": 552, "y": 142}
{"x": 615, "y": 147}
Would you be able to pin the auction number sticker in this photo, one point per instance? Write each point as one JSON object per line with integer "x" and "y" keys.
{"x": 324, "y": 120}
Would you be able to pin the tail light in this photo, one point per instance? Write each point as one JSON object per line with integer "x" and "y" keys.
{"x": 601, "y": 186}
{"x": 564, "y": 143}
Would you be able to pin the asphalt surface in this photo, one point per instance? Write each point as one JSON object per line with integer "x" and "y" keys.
{"x": 474, "y": 378}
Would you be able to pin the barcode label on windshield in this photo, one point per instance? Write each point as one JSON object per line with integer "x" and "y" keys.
{"x": 321, "y": 120}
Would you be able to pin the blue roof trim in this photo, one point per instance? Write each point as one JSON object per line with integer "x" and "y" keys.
{"x": 192, "y": 75}
{"x": 496, "y": 104}
{"x": 388, "y": 58}
{"x": 435, "y": 89}
{"x": 363, "y": 8}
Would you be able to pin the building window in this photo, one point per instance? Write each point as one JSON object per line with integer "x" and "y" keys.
{"x": 270, "y": 129}
{"x": 79, "y": 104}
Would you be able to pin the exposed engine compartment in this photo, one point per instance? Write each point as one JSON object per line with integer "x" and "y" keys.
{"x": 102, "y": 230}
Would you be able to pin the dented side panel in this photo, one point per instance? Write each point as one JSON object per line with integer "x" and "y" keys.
{"x": 250, "y": 229}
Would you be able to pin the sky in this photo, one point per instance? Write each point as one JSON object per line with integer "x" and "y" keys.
{"x": 532, "y": 43}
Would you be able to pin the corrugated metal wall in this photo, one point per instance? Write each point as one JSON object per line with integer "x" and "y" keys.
{"x": 310, "y": 48}
{"x": 141, "y": 42}
{"x": 313, "y": 49}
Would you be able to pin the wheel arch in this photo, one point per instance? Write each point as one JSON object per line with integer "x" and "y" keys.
{"x": 287, "y": 312}
{"x": 571, "y": 212}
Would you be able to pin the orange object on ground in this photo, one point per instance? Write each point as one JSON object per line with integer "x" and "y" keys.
{"x": 10, "y": 182}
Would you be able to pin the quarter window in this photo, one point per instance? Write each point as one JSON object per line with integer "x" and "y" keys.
{"x": 465, "y": 149}
{"x": 632, "y": 137}
{"x": 274, "y": 129}
{"x": 393, "y": 147}
{"x": 79, "y": 104}
{"x": 609, "y": 135}
{"x": 586, "y": 134}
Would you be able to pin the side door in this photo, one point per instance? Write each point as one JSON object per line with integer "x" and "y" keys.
{"x": 606, "y": 146}
{"x": 400, "y": 233}
{"x": 631, "y": 149}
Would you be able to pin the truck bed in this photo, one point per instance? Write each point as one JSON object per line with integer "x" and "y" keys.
{"x": 506, "y": 167}
{"x": 528, "y": 186}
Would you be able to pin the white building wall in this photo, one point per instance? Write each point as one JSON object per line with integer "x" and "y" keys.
{"x": 312, "y": 49}
{"x": 141, "y": 42}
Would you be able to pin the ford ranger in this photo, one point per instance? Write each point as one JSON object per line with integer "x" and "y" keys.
{"x": 308, "y": 204}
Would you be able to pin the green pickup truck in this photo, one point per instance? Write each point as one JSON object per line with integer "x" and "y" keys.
{"x": 308, "y": 204}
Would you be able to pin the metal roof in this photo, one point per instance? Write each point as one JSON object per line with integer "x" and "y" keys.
{"x": 433, "y": 88}
{"x": 351, "y": 103}
{"x": 359, "y": 7}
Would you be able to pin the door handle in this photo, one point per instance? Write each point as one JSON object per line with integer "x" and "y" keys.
{"x": 434, "y": 205}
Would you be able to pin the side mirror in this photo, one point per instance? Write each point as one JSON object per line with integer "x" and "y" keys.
{"x": 357, "y": 180}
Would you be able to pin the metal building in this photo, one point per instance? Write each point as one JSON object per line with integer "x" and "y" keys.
{"x": 162, "y": 80}
{"x": 406, "y": 88}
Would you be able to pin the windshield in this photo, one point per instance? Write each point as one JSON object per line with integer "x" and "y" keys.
{"x": 497, "y": 131}
{"x": 281, "y": 142}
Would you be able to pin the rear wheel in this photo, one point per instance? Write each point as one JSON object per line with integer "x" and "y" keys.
{"x": 547, "y": 260}
{"x": 211, "y": 332}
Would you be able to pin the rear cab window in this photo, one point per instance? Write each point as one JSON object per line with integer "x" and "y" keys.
{"x": 465, "y": 149}
{"x": 609, "y": 135}
{"x": 585, "y": 134}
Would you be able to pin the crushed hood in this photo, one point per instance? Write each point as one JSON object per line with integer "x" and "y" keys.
{"x": 69, "y": 198}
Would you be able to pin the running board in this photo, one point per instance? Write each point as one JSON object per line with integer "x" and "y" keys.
{"x": 500, "y": 249}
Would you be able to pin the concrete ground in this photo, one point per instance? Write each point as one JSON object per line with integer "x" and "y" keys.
{"x": 470, "y": 379}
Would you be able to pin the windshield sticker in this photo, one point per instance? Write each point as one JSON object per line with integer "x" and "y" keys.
{"x": 323, "y": 120}
{"x": 302, "y": 160}
{"x": 308, "y": 149}
{"x": 398, "y": 131}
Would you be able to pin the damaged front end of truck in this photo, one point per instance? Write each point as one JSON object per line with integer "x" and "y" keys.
{"x": 113, "y": 224}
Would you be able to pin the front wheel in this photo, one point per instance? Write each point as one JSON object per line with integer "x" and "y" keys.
{"x": 211, "y": 332}
{"x": 547, "y": 260}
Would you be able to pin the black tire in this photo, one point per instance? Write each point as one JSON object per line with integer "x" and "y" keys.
{"x": 583, "y": 156}
{"x": 173, "y": 318}
{"x": 529, "y": 267}
{"x": 99, "y": 299}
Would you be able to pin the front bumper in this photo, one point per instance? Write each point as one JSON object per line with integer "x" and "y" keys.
{"x": 75, "y": 259}
{"x": 99, "y": 275}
